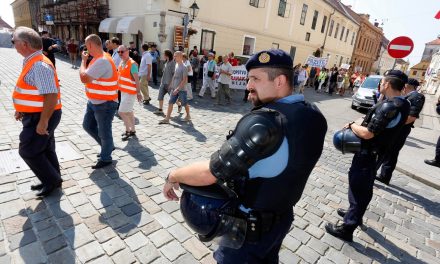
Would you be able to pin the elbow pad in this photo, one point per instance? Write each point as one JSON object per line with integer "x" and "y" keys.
{"x": 258, "y": 135}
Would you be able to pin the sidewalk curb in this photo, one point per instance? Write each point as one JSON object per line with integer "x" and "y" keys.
{"x": 418, "y": 178}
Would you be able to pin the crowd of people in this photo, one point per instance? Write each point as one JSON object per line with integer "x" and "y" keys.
{"x": 272, "y": 150}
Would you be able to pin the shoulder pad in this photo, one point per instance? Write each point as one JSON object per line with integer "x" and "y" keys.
{"x": 261, "y": 128}
{"x": 389, "y": 108}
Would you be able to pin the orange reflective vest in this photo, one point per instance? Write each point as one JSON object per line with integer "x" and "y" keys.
{"x": 126, "y": 82}
{"x": 103, "y": 88}
{"x": 26, "y": 98}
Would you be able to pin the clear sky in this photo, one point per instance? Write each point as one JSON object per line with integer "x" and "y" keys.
{"x": 6, "y": 12}
{"x": 412, "y": 18}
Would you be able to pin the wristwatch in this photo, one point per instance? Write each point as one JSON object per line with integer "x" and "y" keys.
{"x": 351, "y": 123}
{"x": 167, "y": 179}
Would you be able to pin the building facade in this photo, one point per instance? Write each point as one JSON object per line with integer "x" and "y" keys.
{"x": 68, "y": 19}
{"x": 432, "y": 76}
{"x": 244, "y": 27}
{"x": 418, "y": 71}
{"x": 385, "y": 61}
{"x": 431, "y": 48}
{"x": 368, "y": 45}
{"x": 22, "y": 13}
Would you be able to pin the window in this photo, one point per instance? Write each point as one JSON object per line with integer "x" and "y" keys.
{"x": 352, "y": 39}
{"x": 248, "y": 45}
{"x": 275, "y": 45}
{"x": 414, "y": 72}
{"x": 282, "y": 8}
{"x": 315, "y": 19}
{"x": 331, "y": 27}
{"x": 303, "y": 14}
{"x": 342, "y": 33}
{"x": 254, "y": 3}
{"x": 308, "y": 36}
{"x": 337, "y": 29}
{"x": 346, "y": 35}
{"x": 324, "y": 21}
{"x": 207, "y": 41}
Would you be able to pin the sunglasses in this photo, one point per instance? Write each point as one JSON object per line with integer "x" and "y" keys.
{"x": 121, "y": 51}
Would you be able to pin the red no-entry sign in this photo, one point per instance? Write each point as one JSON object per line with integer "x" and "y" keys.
{"x": 400, "y": 47}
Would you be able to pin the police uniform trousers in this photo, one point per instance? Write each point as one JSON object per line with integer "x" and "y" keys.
{"x": 264, "y": 251}
{"x": 361, "y": 178}
{"x": 389, "y": 160}
{"x": 38, "y": 151}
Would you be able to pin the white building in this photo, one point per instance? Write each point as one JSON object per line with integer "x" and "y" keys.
{"x": 431, "y": 48}
{"x": 432, "y": 76}
{"x": 243, "y": 27}
{"x": 385, "y": 61}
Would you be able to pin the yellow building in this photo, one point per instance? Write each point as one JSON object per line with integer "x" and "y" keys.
{"x": 418, "y": 71}
{"x": 243, "y": 27}
{"x": 22, "y": 14}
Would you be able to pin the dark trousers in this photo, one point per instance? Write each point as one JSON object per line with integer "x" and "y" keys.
{"x": 437, "y": 150}
{"x": 331, "y": 88}
{"x": 39, "y": 151}
{"x": 154, "y": 71}
{"x": 194, "y": 81}
{"x": 246, "y": 94}
{"x": 265, "y": 251}
{"x": 389, "y": 160}
{"x": 360, "y": 187}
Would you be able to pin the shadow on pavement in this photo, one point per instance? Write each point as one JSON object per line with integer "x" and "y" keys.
{"x": 52, "y": 236}
{"x": 141, "y": 153}
{"x": 119, "y": 201}
{"x": 421, "y": 141}
{"x": 400, "y": 255}
{"x": 430, "y": 206}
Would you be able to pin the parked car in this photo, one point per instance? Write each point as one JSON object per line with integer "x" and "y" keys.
{"x": 364, "y": 96}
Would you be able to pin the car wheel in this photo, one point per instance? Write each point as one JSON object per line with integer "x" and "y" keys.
{"x": 353, "y": 106}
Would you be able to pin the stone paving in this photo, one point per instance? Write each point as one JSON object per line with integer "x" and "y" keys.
{"x": 118, "y": 214}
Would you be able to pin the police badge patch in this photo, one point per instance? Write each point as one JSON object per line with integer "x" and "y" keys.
{"x": 264, "y": 58}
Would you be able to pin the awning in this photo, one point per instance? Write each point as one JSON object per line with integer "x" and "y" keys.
{"x": 108, "y": 25}
{"x": 130, "y": 25}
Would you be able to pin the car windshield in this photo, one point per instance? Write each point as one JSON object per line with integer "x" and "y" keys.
{"x": 371, "y": 83}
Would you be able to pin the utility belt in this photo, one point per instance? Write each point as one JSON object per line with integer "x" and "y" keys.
{"x": 261, "y": 222}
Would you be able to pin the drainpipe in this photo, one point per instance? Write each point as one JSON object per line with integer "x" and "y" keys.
{"x": 326, "y": 32}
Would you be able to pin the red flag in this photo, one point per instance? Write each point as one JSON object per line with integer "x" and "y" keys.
{"x": 438, "y": 15}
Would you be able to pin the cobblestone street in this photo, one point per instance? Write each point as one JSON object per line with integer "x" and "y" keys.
{"x": 119, "y": 215}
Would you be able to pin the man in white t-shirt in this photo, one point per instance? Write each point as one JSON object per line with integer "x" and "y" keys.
{"x": 224, "y": 81}
{"x": 302, "y": 78}
{"x": 145, "y": 72}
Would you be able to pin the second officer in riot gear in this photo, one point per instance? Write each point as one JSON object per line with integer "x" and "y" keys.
{"x": 389, "y": 160}
{"x": 260, "y": 171}
{"x": 377, "y": 132}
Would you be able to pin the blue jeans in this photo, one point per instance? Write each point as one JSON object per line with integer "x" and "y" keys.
{"x": 182, "y": 95}
{"x": 98, "y": 123}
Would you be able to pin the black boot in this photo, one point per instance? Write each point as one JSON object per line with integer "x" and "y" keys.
{"x": 384, "y": 180}
{"x": 341, "y": 212}
{"x": 341, "y": 231}
{"x": 433, "y": 162}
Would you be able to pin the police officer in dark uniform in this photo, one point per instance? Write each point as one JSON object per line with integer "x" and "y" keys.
{"x": 377, "y": 132}
{"x": 262, "y": 167}
{"x": 436, "y": 161}
{"x": 389, "y": 159}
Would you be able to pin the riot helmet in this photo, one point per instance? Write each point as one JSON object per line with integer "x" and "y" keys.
{"x": 212, "y": 212}
{"x": 346, "y": 141}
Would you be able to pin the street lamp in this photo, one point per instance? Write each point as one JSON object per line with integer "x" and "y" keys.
{"x": 193, "y": 11}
